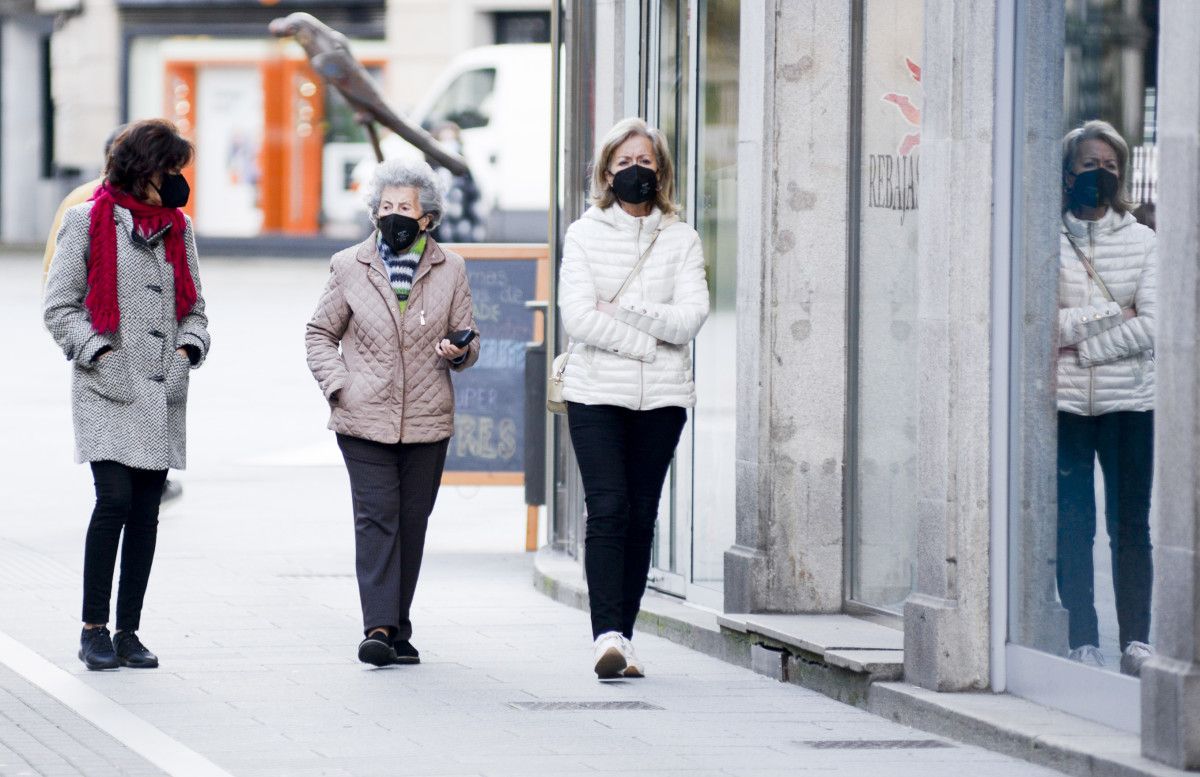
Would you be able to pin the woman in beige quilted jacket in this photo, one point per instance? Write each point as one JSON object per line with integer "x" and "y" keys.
{"x": 396, "y": 304}
{"x": 1105, "y": 386}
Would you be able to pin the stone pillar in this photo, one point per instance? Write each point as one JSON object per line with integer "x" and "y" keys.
{"x": 793, "y": 137}
{"x": 20, "y": 141}
{"x": 85, "y": 83}
{"x": 1171, "y": 681}
{"x": 946, "y": 636}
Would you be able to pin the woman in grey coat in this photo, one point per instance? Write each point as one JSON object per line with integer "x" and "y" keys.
{"x": 123, "y": 301}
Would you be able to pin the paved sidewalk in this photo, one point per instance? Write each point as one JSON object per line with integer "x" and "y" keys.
{"x": 254, "y": 611}
{"x": 40, "y": 736}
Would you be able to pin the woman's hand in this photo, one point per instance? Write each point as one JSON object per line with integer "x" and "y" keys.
{"x": 1128, "y": 313}
{"x": 447, "y": 350}
{"x": 607, "y": 308}
{"x": 183, "y": 352}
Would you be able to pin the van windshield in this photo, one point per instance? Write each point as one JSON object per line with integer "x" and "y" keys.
{"x": 467, "y": 101}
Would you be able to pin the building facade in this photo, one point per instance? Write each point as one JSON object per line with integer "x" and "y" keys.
{"x": 277, "y": 148}
{"x": 879, "y": 188}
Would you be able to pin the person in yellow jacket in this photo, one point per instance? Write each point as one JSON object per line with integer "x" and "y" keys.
{"x": 78, "y": 195}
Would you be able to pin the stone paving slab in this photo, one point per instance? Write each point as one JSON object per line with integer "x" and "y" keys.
{"x": 40, "y": 736}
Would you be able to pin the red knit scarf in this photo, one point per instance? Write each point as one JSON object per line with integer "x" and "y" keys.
{"x": 101, "y": 300}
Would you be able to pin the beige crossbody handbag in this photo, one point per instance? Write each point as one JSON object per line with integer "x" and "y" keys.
{"x": 554, "y": 388}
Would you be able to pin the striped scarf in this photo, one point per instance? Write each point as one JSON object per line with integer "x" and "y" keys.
{"x": 401, "y": 269}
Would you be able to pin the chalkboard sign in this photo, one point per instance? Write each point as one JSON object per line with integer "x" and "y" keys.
{"x": 489, "y": 398}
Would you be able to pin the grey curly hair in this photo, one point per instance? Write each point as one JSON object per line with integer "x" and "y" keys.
{"x": 416, "y": 174}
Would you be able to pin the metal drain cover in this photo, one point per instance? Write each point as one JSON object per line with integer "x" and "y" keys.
{"x": 875, "y": 744}
{"x": 570, "y": 706}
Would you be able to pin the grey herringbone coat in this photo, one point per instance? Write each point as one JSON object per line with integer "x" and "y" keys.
{"x": 130, "y": 406}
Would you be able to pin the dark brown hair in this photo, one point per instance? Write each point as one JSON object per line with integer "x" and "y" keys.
{"x": 143, "y": 149}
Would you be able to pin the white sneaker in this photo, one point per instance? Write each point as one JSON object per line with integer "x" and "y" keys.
{"x": 610, "y": 656}
{"x": 633, "y": 664}
{"x": 1136, "y": 654}
{"x": 1088, "y": 655}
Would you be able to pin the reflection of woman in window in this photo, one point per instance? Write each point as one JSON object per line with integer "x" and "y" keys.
{"x": 1106, "y": 314}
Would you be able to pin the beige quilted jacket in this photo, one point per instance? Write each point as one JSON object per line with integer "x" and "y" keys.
{"x": 389, "y": 383}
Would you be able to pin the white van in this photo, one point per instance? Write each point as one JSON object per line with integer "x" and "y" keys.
{"x": 499, "y": 96}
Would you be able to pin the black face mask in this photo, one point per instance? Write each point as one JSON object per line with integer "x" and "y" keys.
{"x": 174, "y": 191}
{"x": 399, "y": 231}
{"x": 1093, "y": 188}
{"x": 635, "y": 184}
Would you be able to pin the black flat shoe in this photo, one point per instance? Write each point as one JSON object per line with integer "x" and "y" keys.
{"x": 376, "y": 651}
{"x": 96, "y": 650}
{"x": 405, "y": 652}
{"x": 132, "y": 653}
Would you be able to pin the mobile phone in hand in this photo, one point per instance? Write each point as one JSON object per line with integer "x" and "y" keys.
{"x": 461, "y": 338}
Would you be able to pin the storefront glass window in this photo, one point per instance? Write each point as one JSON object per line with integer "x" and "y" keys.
{"x": 713, "y": 459}
{"x": 884, "y": 465}
{"x": 673, "y": 84}
{"x": 1083, "y": 381}
{"x": 667, "y": 83}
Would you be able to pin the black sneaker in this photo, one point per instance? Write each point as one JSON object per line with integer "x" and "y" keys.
{"x": 132, "y": 653}
{"x": 96, "y": 649}
{"x": 376, "y": 651}
{"x": 405, "y": 652}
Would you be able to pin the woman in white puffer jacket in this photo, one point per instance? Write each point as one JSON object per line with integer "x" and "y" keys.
{"x": 1105, "y": 375}
{"x": 628, "y": 379}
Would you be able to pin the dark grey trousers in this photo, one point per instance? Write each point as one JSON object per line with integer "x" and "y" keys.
{"x": 393, "y": 488}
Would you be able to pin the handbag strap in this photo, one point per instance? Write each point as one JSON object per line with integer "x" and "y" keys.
{"x": 625, "y": 285}
{"x": 637, "y": 267}
{"x": 1087, "y": 264}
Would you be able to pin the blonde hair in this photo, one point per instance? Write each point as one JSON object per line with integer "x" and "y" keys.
{"x": 1097, "y": 130}
{"x": 602, "y": 195}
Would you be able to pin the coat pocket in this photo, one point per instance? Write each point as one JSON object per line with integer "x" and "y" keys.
{"x": 110, "y": 378}
{"x": 341, "y": 411}
{"x": 347, "y": 396}
{"x": 178, "y": 375}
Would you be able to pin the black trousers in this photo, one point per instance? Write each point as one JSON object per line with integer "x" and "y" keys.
{"x": 1124, "y": 442}
{"x": 393, "y": 488}
{"x": 623, "y": 457}
{"x": 127, "y": 502}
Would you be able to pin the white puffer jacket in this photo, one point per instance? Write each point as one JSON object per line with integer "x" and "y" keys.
{"x": 1105, "y": 363}
{"x": 640, "y": 358}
